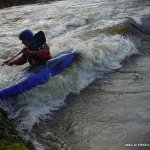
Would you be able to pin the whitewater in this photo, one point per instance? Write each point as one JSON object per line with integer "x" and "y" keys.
{"x": 98, "y": 30}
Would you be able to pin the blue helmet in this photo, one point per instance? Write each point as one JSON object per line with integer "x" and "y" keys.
{"x": 26, "y": 35}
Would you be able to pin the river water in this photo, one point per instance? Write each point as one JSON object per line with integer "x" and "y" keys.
{"x": 105, "y": 33}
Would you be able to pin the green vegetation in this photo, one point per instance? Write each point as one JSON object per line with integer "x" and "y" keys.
{"x": 13, "y": 146}
{"x": 9, "y": 140}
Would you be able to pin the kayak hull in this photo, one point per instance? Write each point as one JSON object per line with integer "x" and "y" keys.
{"x": 31, "y": 79}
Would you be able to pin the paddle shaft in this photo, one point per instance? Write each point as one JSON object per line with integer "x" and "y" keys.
{"x": 12, "y": 58}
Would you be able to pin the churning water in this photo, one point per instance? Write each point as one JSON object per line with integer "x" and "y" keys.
{"x": 99, "y": 30}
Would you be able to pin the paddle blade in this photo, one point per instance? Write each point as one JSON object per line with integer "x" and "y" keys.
{"x": 38, "y": 40}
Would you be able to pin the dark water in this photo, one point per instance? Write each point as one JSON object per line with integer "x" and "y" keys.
{"x": 8, "y": 3}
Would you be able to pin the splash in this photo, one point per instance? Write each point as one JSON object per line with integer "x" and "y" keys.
{"x": 89, "y": 28}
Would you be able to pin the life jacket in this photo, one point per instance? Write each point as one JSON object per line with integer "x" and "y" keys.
{"x": 36, "y": 61}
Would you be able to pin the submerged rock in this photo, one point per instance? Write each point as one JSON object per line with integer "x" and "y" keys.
{"x": 9, "y": 140}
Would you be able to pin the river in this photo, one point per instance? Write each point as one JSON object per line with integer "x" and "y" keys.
{"x": 93, "y": 104}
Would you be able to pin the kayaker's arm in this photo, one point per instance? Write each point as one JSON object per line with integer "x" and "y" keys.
{"x": 19, "y": 61}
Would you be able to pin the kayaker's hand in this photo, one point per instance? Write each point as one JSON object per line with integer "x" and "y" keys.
{"x": 5, "y": 63}
{"x": 25, "y": 50}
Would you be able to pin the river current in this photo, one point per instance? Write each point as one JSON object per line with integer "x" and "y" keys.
{"x": 105, "y": 33}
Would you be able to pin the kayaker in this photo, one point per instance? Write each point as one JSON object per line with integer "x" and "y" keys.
{"x": 35, "y": 57}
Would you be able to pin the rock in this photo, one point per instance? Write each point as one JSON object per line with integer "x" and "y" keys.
{"x": 9, "y": 140}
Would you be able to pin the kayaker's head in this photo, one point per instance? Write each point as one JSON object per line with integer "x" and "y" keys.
{"x": 26, "y": 36}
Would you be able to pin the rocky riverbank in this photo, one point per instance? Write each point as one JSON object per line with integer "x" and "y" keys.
{"x": 9, "y": 140}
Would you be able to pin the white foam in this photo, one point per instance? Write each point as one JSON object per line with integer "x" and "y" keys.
{"x": 99, "y": 52}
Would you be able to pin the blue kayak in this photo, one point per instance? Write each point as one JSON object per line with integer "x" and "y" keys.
{"x": 29, "y": 80}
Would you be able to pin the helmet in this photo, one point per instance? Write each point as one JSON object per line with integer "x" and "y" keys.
{"x": 26, "y": 35}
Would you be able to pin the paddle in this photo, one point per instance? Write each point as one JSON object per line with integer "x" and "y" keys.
{"x": 37, "y": 41}
{"x": 5, "y": 62}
